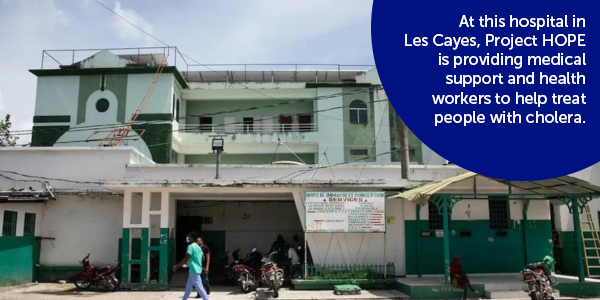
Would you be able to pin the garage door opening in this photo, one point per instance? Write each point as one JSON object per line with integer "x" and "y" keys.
{"x": 227, "y": 226}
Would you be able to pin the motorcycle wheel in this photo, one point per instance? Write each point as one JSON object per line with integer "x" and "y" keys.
{"x": 109, "y": 283}
{"x": 245, "y": 287}
{"x": 275, "y": 287}
{"x": 537, "y": 295}
{"x": 81, "y": 283}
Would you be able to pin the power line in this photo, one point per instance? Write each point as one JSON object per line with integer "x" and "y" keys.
{"x": 100, "y": 127}
{"x": 320, "y": 98}
{"x": 46, "y": 178}
{"x": 184, "y": 55}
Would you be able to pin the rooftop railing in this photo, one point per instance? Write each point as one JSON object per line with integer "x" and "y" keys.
{"x": 195, "y": 71}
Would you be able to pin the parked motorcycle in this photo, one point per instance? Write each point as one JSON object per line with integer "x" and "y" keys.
{"x": 249, "y": 271}
{"x": 271, "y": 275}
{"x": 91, "y": 276}
{"x": 536, "y": 284}
{"x": 231, "y": 275}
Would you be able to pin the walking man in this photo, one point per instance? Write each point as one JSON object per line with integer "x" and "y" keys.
{"x": 193, "y": 258}
{"x": 205, "y": 266}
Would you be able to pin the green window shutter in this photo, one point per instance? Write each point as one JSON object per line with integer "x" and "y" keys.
{"x": 9, "y": 226}
{"x": 499, "y": 212}
{"x": 29, "y": 227}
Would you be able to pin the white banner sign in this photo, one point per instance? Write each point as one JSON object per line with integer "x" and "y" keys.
{"x": 345, "y": 211}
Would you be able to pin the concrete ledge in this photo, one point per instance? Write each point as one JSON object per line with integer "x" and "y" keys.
{"x": 55, "y": 273}
{"x": 324, "y": 284}
{"x": 441, "y": 291}
{"x": 579, "y": 289}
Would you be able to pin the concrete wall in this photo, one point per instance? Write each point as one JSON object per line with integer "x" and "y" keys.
{"x": 21, "y": 209}
{"x": 247, "y": 224}
{"x": 76, "y": 226}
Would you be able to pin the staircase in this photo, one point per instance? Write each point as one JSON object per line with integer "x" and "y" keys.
{"x": 591, "y": 244}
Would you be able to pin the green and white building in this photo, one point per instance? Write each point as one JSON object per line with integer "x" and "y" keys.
{"x": 287, "y": 130}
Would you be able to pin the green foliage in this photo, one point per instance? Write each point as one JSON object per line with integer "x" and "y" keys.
{"x": 6, "y": 139}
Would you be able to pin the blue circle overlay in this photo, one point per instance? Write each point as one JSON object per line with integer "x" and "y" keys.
{"x": 412, "y": 76}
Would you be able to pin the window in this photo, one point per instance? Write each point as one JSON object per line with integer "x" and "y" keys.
{"x": 436, "y": 218}
{"x": 9, "y": 226}
{"x": 412, "y": 153}
{"x": 359, "y": 152}
{"x": 358, "y": 112}
{"x": 305, "y": 122}
{"x": 177, "y": 110}
{"x": 29, "y": 227}
{"x": 499, "y": 212}
{"x": 286, "y": 123}
{"x": 248, "y": 124}
{"x": 102, "y": 105}
{"x": 205, "y": 124}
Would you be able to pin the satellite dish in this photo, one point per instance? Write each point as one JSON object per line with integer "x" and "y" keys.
{"x": 287, "y": 162}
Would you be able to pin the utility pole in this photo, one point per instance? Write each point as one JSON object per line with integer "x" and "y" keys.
{"x": 404, "y": 147}
{"x": 218, "y": 147}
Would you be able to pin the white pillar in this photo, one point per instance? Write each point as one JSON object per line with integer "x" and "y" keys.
{"x": 382, "y": 127}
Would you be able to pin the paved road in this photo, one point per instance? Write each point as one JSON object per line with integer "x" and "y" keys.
{"x": 54, "y": 291}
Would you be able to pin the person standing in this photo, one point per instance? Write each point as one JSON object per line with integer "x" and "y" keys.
{"x": 205, "y": 266}
{"x": 294, "y": 261}
{"x": 279, "y": 247}
{"x": 193, "y": 258}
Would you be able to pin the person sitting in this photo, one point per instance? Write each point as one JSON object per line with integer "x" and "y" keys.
{"x": 458, "y": 278}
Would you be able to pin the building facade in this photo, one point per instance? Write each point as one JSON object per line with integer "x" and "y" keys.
{"x": 287, "y": 130}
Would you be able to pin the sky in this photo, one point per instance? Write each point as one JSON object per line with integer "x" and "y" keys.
{"x": 209, "y": 31}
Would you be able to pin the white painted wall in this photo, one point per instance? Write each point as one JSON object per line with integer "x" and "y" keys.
{"x": 247, "y": 224}
{"x": 81, "y": 225}
{"x": 330, "y": 128}
{"x": 57, "y": 96}
{"x": 161, "y": 98}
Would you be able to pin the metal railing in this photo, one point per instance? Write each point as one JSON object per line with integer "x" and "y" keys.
{"x": 195, "y": 71}
{"x": 248, "y": 128}
{"x": 350, "y": 271}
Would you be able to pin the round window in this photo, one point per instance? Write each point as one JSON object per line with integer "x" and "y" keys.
{"x": 102, "y": 105}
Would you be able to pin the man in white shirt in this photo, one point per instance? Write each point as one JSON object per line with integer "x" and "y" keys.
{"x": 294, "y": 261}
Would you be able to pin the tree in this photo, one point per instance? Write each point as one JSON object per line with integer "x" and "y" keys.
{"x": 6, "y": 139}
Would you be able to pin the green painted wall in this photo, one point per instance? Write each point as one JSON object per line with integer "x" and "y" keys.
{"x": 248, "y": 159}
{"x": 18, "y": 257}
{"x": 566, "y": 256}
{"x": 479, "y": 255}
{"x": 359, "y": 136}
{"x": 195, "y": 108}
{"x": 46, "y": 136}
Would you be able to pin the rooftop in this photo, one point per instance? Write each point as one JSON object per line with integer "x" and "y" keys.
{"x": 194, "y": 71}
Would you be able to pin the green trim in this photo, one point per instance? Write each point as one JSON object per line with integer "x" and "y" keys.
{"x": 158, "y": 137}
{"x": 439, "y": 291}
{"x": 51, "y": 119}
{"x": 155, "y": 117}
{"x": 579, "y": 289}
{"x": 145, "y": 253}
{"x": 125, "y": 259}
{"x": 164, "y": 261}
{"x": 46, "y": 136}
{"x": 312, "y": 85}
{"x": 300, "y": 284}
{"x": 101, "y": 71}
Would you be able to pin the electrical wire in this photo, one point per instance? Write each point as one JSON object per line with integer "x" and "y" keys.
{"x": 110, "y": 126}
{"x": 183, "y": 54}
{"x": 47, "y": 178}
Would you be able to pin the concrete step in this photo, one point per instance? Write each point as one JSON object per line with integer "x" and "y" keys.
{"x": 511, "y": 294}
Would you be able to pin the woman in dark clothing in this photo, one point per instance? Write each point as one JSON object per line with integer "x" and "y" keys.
{"x": 458, "y": 278}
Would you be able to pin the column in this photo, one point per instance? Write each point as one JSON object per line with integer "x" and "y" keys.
{"x": 578, "y": 242}
{"x": 445, "y": 211}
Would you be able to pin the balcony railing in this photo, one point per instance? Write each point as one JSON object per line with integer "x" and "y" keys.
{"x": 248, "y": 128}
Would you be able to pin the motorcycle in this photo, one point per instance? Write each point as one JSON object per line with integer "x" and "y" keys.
{"x": 249, "y": 271}
{"x": 536, "y": 284}
{"x": 90, "y": 275}
{"x": 271, "y": 275}
{"x": 231, "y": 275}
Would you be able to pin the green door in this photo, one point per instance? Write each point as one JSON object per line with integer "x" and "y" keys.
{"x": 215, "y": 240}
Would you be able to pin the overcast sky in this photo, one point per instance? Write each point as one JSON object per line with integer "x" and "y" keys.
{"x": 210, "y": 31}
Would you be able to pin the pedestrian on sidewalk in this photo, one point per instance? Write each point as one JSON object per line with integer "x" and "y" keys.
{"x": 205, "y": 266}
{"x": 193, "y": 258}
{"x": 458, "y": 278}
